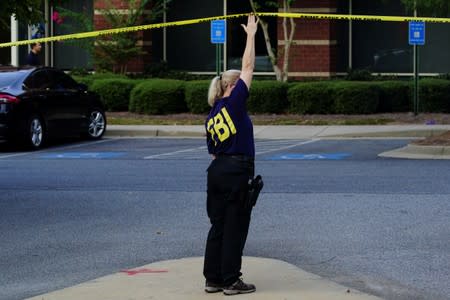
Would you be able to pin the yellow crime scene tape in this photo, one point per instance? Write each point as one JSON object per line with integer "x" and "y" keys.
{"x": 97, "y": 33}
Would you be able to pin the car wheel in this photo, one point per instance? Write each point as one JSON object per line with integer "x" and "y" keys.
{"x": 35, "y": 132}
{"x": 97, "y": 124}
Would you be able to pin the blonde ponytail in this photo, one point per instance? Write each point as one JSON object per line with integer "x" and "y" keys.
{"x": 214, "y": 91}
{"x": 219, "y": 84}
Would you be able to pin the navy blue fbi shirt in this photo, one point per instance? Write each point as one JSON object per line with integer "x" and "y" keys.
{"x": 229, "y": 129}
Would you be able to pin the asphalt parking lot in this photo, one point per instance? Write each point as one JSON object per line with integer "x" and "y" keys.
{"x": 194, "y": 148}
{"x": 79, "y": 210}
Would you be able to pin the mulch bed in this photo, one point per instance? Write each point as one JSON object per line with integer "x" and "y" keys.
{"x": 438, "y": 140}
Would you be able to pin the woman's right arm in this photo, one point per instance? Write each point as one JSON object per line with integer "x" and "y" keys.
{"x": 248, "y": 59}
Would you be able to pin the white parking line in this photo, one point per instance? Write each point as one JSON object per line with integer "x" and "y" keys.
{"x": 53, "y": 149}
{"x": 82, "y": 144}
{"x": 14, "y": 155}
{"x": 175, "y": 152}
{"x": 265, "y": 146}
{"x": 286, "y": 147}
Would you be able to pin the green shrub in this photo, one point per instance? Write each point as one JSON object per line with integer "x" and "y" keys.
{"x": 158, "y": 96}
{"x": 114, "y": 93}
{"x": 355, "y": 97}
{"x": 359, "y": 75}
{"x": 267, "y": 97}
{"x": 136, "y": 95}
{"x": 395, "y": 96}
{"x": 91, "y": 78}
{"x": 310, "y": 98}
{"x": 75, "y": 71}
{"x": 434, "y": 95}
{"x": 87, "y": 80}
{"x": 196, "y": 96}
{"x": 107, "y": 75}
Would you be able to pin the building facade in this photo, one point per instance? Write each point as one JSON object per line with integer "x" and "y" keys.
{"x": 321, "y": 48}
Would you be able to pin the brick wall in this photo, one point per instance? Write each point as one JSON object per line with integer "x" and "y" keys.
{"x": 137, "y": 64}
{"x": 120, "y": 4}
{"x": 313, "y": 52}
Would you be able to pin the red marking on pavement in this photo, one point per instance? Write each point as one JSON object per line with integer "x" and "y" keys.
{"x": 141, "y": 271}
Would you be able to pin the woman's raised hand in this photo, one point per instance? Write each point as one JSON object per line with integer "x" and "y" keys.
{"x": 252, "y": 24}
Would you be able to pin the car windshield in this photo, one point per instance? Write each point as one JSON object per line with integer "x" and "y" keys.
{"x": 9, "y": 78}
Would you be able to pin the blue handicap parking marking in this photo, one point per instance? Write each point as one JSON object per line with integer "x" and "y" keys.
{"x": 310, "y": 156}
{"x": 84, "y": 155}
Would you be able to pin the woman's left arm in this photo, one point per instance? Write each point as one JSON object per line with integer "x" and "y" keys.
{"x": 248, "y": 58}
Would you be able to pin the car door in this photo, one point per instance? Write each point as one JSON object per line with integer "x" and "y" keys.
{"x": 39, "y": 100}
{"x": 64, "y": 91}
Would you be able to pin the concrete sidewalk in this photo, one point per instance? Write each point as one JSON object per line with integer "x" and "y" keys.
{"x": 309, "y": 132}
{"x": 182, "y": 280}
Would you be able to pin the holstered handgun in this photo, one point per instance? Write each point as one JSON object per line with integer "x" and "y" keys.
{"x": 255, "y": 186}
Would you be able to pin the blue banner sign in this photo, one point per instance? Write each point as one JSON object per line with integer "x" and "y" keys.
{"x": 218, "y": 31}
{"x": 416, "y": 33}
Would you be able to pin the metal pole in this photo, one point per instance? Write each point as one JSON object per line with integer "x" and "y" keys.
{"x": 416, "y": 73}
{"x": 47, "y": 32}
{"x": 164, "y": 33}
{"x": 14, "y": 38}
{"x": 416, "y": 80}
{"x": 225, "y": 62}
{"x": 52, "y": 45}
{"x": 218, "y": 59}
{"x": 350, "y": 36}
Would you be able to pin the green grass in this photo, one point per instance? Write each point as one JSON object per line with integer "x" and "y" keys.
{"x": 367, "y": 122}
{"x": 187, "y": 119}
{"x": 132, "y": 121}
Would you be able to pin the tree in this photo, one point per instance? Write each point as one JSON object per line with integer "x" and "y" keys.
{"x": 433, "y": 7}
{"x": 115, "y": 51}
{"x": 282, "y": 74}
{"x": 70, "y": 22}
{"x": 26, "y": 11}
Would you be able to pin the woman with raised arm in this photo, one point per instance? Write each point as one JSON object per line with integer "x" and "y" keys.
{"x": 230, "y": 142}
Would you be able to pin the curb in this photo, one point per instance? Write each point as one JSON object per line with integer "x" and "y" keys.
{"x": 182, "y": 279}
{"x": 413, "y": 151}
{"x": 154, "y": 131}
{"x": 151, "y": 133}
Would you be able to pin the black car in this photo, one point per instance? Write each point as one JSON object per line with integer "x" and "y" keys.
{"x": 40, "y": 103}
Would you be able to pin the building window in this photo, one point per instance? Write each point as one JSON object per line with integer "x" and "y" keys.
{"x": 236, "y": 38}
{"x": 382, "y": 47}
{"x": 189, "y": 47}
{"x": 70, "y": 54}
{"x": 5, "y": 52}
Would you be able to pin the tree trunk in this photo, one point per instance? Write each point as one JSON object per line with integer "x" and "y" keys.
{"x": 287, "y": 40}
{"x": 272, "y": 55}
{"x": 282, "y": 74}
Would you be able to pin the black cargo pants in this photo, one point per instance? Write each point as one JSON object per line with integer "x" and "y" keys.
{"x": 227, "y": 187}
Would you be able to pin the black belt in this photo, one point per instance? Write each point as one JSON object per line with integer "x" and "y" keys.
{"x": 240, "y": 157}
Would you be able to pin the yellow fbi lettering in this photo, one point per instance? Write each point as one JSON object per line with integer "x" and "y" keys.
{"x": 221, "y": 125}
